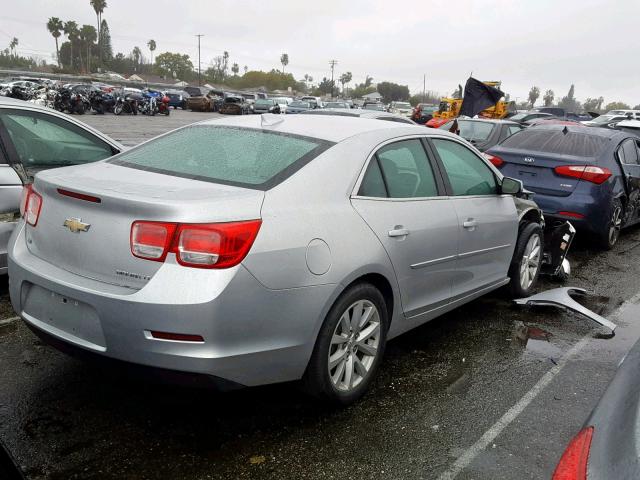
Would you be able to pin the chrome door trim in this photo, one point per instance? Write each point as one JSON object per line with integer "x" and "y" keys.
{"x": 435, "y": 261}
{"x": 484, "y": 250}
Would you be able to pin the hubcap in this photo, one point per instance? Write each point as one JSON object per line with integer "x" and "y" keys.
{"x": 530, "y": 261}
{"x": 616, "y": 224}
{"x": 354, "y": 345}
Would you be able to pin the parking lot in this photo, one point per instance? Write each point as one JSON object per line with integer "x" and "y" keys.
{"x": 488, "y": 391}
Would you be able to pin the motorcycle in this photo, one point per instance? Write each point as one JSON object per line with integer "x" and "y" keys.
{"x": 66, "y": 100}
{"x": 101, "y": 102}
{"x": 19, "y": 92}
{"x": 127, "y": 103}
{"x": 161, "y": 101}
{"x": 148, "y": 105}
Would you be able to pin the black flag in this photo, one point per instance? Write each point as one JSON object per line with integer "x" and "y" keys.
{"x": 478, "y": 96}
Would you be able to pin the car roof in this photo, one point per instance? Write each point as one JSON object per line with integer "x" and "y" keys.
{"x": 333, "y": 128}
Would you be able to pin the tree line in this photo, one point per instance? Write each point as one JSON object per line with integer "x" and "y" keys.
{"x": 571, "y": 104}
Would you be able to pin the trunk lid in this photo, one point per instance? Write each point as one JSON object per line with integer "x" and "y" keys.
{"x": 102, "y": 252}
{"x": 536, "y": 170}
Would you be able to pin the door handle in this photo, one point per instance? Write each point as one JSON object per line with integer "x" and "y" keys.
{"x": 470, "y": 223}
{"x": 399, "y": 232}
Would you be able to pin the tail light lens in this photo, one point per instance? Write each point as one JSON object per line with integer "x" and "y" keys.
{"x": 30, "y": 205}
{"x": 151, "y": 240}
{"x": 573, "y": 463}
{"x": 496, "y": 160}
{"x": 212, "y": 245}
{"x": 589, "y": 173}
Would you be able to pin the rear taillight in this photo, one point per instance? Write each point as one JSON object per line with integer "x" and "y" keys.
{"x": 589, "y": 173}
{"x": 151, "y": 240}
{"x": 30, "y": 205}
{"x": 26, "y": 190}
{"x": 496, "y": 160}
{"x": 573, "y": 463}
{"x": 211, "y": 245}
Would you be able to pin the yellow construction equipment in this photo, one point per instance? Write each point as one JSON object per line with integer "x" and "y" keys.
{"x": 450, "y": 108}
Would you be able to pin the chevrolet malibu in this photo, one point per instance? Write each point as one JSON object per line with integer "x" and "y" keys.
{"x": 268, "y": 248}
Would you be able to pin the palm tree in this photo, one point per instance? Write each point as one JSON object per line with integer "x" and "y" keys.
{"x": 235, "y": 68}
{"x": 284, "y": 60}
{"x": 55, "y": 26}
{"x": 12, "y": 45}
{"x": 152, "y": 46}
{"x": 88, "y": 35}
{"x": 246, "y": 69}
{"x": 71, "y": 31}
{"x": 137, "y": 54}
{"x": 98, "y": 7}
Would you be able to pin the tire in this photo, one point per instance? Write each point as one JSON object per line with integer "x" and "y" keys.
{"x": 117, "y": 110}
{"x": 610, "y": 234}
{"x": 525, "y": 265}
{"x": 357, "y": 361}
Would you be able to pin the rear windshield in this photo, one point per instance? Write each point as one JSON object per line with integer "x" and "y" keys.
{"x": 557, "y": 142}
{"x": 243, "y": 157}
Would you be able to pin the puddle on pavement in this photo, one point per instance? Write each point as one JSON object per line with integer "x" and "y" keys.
{"x": 534, "y": 340}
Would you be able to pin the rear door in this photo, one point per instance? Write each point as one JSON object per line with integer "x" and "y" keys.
{"x": 628, "y": 157}
{"x": 488, "y": 221}
{"x": 401, "y": 199}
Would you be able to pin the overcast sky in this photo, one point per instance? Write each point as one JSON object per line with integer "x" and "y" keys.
{"x": 551, "y": 44}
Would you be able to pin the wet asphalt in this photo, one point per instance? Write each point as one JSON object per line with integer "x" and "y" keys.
{"x": 441, "y": 388}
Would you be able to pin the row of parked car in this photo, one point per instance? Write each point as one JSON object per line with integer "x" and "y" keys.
{"x": 214, "y": 229}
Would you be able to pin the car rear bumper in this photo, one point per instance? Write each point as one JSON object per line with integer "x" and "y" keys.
{"x": 582, "y": 210}
{"x": 252, "y": 335}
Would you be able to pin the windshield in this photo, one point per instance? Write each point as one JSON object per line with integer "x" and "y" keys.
{"x": 262, "y": 101}
{"x": 472, "y": 131}
{"x": 402, "y": 105}
{"x": 374, "y": 106}
{"x": 242, "y": 157}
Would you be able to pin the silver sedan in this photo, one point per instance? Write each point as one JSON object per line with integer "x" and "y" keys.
{"x": 269, "y": 248}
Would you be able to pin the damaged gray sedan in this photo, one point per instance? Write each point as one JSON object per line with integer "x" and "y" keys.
{"x": 270, "y": 248}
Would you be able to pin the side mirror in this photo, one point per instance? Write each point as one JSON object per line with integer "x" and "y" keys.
{"x": 511, "y": 186}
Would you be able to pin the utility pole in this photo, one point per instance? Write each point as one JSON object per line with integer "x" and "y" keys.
{"x": 332, "y": 64}
{"x": 424, "y": 86}
{"x": 199, "y": 35}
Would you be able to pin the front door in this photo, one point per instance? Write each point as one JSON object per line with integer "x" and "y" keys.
{"x": 488, "y": 221}
{"x": 400, "y": 199}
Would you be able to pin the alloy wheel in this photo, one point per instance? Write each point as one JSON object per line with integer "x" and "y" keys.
{"x": 354, "y": 345}
{"x": 530, "y": 262}
{"x": 615, "y": 225}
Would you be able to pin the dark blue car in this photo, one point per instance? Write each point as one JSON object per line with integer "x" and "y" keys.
{"x": 590, "y": 176}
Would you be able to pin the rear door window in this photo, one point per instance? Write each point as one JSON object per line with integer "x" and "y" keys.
{"x": 243, "y": 157}
{"x": 400, "y": 170}
{"x": 45, "y": 141}
{"x": 629, "y": 152}
{"x": 468, "y": 174}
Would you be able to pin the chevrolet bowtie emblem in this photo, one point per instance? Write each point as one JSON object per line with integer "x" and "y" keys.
{"x": 76, "y": 225}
